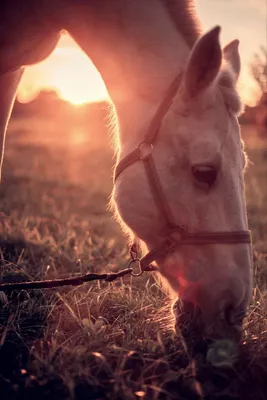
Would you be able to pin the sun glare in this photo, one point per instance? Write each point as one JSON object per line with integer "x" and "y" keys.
{"x": 69, "y": 72}
{"x": 78, "y": 81}
{"x": 73, "y": 76}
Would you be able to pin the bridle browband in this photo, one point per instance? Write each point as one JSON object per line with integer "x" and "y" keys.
{"x": 177, "y": 235}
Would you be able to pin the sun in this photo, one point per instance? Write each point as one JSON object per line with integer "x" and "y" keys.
{"x": 69, "y": 72}
{"x": 78, "y": 81}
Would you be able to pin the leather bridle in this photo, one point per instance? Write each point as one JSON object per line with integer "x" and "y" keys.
{"x": 177, "y": 235}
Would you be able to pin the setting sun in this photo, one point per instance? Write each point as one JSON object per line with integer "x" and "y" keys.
{"x": 69, "y": 72}
{"x": 78, "y": 81}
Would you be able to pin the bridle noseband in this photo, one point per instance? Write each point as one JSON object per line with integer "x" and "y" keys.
{"x": 177, "y": 235}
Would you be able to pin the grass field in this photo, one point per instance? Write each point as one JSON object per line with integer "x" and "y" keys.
{"x": 100, "y": 340}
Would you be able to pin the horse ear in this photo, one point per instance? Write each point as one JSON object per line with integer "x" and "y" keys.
{"x": 204, "y": 63}
{"x": 231, "y": 55}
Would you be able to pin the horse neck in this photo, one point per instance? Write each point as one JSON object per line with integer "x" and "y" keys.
{"x": 138, "y": 51}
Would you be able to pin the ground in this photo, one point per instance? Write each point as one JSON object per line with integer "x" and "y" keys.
{"x": 102, "y": 340}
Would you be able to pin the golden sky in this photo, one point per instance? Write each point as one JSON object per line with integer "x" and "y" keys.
{"x": 69, "y": 71}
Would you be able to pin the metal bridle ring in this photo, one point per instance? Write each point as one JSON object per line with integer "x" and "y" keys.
{"x": 145, "y": 150}
{"x": 140, "y": 270}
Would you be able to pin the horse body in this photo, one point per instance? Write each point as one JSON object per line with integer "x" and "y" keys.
{"x": 139, "y": 48}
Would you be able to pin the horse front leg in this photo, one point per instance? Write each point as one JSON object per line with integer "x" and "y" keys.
{"x": 8, "y": 89}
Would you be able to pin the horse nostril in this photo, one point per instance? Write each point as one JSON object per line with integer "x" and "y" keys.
{"x": 229, "y": 315}
{"x": 234, "y": 317}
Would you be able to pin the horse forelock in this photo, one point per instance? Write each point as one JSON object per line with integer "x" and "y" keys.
{"x": 227, "y": 85}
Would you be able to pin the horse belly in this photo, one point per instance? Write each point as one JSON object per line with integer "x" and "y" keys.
{"x": 27, "y": 35}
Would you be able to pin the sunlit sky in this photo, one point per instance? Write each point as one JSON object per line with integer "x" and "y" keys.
{"x": 69, "y": 71}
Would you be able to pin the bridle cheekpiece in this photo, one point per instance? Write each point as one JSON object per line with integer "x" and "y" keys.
{"x": 177, "y": 235}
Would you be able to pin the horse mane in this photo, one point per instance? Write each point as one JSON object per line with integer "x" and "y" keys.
{"x": 183, "y": 13}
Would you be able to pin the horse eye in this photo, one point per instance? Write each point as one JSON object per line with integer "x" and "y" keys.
{"x": 205, "y": 174}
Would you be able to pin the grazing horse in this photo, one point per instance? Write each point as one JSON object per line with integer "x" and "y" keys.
{"x": 179, "y": 184}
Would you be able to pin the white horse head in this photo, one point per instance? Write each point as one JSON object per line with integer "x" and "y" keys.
{"x": 200, "y": 162}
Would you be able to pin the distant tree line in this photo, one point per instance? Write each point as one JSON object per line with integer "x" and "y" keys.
{"x": 258, "y": 69}
{"x": 258, "y": 114}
